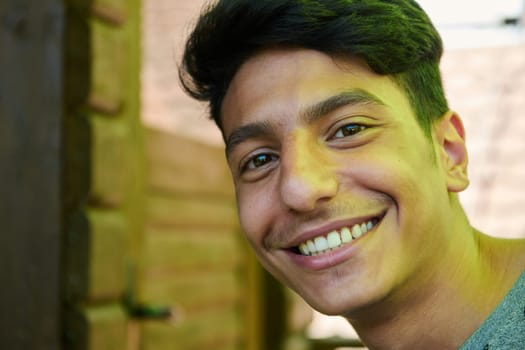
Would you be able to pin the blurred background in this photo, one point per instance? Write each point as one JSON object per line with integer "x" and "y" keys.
{"x": 118, "y": 216}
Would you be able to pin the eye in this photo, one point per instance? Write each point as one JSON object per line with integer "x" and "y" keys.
{"x": 349, "y": 130}
{"x": 258, "y": 161}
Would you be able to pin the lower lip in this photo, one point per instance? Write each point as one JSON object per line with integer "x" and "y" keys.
{"x": 332, "y": 258}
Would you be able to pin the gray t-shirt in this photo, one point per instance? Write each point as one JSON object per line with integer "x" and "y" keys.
{"x": 505, "y": 327}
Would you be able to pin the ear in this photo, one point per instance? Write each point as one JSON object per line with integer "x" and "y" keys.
{"x": 452, "y": 150}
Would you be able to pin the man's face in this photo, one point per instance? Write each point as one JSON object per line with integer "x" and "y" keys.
{"x": 339, "y": 192}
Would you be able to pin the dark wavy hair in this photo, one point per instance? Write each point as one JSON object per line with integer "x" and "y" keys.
{"x": 395, "y": 37}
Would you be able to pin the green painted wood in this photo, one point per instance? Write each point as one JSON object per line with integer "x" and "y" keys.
{"x": 216, "y": 330}
{"x": 187, "y": 248}
{"x": 95, "y": 256}
{"x": 104, "y": 171}
{"x": 97, "y": 327}
{"x": 193, "y": 256}
{"x": 113, "y": 12}
{"x": 111, "y": 162}
{"x": 166, "y": 210}
{"x": 191, "y": 290}
{"x": 181, "y": 166}
{"x": 110, "y": 54}
{"x": 107, "y": 271}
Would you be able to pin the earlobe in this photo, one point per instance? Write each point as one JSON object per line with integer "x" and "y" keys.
{"x": 450, "y": 134}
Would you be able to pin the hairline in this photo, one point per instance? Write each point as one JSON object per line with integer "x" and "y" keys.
{"x": 396, "y": 78}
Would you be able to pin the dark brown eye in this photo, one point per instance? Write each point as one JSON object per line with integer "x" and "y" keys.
{"x": 349, "y": 130}
{"x": 259, "y": 160}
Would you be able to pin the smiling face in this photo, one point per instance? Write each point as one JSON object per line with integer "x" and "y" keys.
{"x": 340, "y": 193}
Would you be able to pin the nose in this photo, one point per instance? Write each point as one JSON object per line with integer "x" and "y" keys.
{"x": 307, "y": 175}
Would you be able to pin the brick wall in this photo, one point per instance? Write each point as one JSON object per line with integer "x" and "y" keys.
{"x": 166, "y": 24}
{"x": 487, "y": 88}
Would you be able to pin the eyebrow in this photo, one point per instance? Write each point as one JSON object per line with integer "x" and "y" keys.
{"x": 310, "y": 115}
{"x": 346, "y": 98}
{"x": 246, "y": 132}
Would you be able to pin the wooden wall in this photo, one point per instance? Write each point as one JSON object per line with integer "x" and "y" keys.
{"x": 108, "y": 223}
{"x": 103, "y": 167}
{"x": 193, "y": 257}
{"x": 150, "y": 218}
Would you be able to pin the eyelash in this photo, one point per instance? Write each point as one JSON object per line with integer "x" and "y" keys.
{"x": 250, "y": 165}
{"x": 250, "y": 162}
{"x": 356, "y": 128}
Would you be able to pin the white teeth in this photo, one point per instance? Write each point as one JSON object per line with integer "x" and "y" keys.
{"x": 303, "y": 248}
{"x": 356, "y": 231}
{"x": 311, "y": 247}
{"x": 346, "y": 236}
{"x": 334, "y": 239}
{"x": 321, "y": 243}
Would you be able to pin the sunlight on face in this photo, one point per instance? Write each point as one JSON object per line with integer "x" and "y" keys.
{"x": 322, "y": 151}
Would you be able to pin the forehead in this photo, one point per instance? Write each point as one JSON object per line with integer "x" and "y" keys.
{"x": 278, "y": 83}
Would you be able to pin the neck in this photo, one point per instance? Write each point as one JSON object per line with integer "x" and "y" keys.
{"x": 441, "y": 310}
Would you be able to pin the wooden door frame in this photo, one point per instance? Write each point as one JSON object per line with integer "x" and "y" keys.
{"x": 31, "y": 104}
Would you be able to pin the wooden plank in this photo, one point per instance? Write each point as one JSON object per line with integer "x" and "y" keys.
{"x": 255, "y": 308}
{"x": 111, "y": 162}
{"x": 76, "y": 258}
{"x": 96, "y": 272}
{"x": 190, "y": 290}
{"x": 196, "y": 211}
{"x": 110, "y": 11}
{"x": 97, "y": 327}
{"x": 107, "y": 259}
{"x": 31, "y": 105}
{"x": 107, "y": 327}
{"x": 110, "y": 67}
{"x": 215, "y": 330}
{"x": 186, "y": 248}
{"x": 192, "y": 258}
{"x": 116, "y": 5}
{"x": 179, "y": 165}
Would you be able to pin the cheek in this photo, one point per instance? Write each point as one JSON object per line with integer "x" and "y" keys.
{"x": 255, "y": 212}
{"x": 416, "y": 187}
{"x": 404, "y": 176}
{"x": 376, "y": 172}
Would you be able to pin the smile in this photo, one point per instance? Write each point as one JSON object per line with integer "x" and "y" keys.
{"x": 336, "y": 239}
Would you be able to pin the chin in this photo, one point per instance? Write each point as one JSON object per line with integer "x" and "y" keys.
{"x": 343, "y": 299}
{"x": 328, "y": 302}
{"x": 340, "y": 308}
{"x": 329, "y": 309}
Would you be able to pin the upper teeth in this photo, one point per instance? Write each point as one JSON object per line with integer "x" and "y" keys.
{"x": 335, "y": 239}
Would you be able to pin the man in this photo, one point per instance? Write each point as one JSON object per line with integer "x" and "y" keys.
{"x": 347, "y": 162}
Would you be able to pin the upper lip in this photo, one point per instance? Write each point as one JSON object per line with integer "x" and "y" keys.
{"x": 335, "y": 225}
